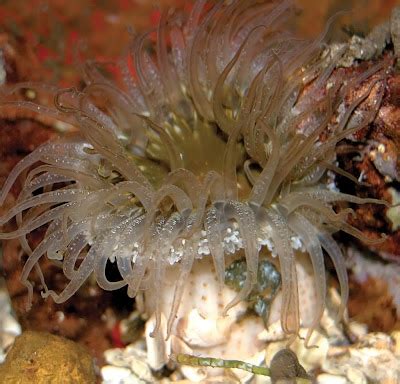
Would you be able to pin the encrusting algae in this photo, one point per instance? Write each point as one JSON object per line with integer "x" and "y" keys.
{"x": 215, "y": 151}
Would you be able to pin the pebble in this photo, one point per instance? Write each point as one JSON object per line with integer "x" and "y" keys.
{"x": 42, "y": 358}
{"x": 326, "y": 378}
{"x": 371, "y": 360}
{"x": 9, "y": 326}
{"x": 126, "y": 366}
{"x": 117, "y": 375}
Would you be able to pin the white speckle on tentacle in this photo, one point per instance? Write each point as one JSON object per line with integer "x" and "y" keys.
{"x": 203, "y": 247}
{"x": 232, "y": 242}
{"x": 269, "y": 244}
{"x": 297, "y": 244}
{"x": 175, "y": 254}
{"x": 331, "y": 185}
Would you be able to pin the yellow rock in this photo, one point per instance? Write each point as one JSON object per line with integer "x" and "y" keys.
{"x": 42, "y": 358}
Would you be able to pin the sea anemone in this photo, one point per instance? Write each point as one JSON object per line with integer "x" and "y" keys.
{"x": 227, "y": 123}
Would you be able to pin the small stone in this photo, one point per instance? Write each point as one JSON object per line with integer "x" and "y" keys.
{"x": 141, "y": 369}
{"x": 286, "y": 367}
{"x": 112, "y": 374}
{"x": 370, "y": 360}
{"x": 356, "y": 376}
{"x": 377, "y": 340}
{"x": 396, "y": 339}
{"x": 42, "y": 358}
{"x": 10, "y": 325}
{"x": 358, "y": 330}
{"x": 326, "y": 378}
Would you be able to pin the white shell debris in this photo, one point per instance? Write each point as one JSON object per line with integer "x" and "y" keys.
{"x": 373, "y": 359}
{"x": 326, "y": 378}
{"x": 127, "y": 366}
{"x": 9, "y": 327}
{"x": 117, "y": 375}
{"x": 393, "y": 213}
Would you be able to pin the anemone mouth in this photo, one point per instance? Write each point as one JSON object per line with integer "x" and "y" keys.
{"x": 220, "y": 141}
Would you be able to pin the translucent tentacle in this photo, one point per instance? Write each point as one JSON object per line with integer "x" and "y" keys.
{"x": 247, "y": 228}
{"x": 290, "y": 300}
{"x": 333, "y": 250}
{"x": 186, "y": 264}
{"x": 301, "y": 226}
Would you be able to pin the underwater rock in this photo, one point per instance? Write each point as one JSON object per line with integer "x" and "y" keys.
{"x": 374, "y": 292}
{"x": 41, "y": 358}
{"x": 128, "y": 365}
{"x": 372, "y": 155}
{"x": 373, "y": 359}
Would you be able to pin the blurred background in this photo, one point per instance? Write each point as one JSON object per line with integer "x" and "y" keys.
{"x": 49, "y": 30}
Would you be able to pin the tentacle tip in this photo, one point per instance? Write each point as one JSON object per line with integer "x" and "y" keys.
{"x": 173, "y": 358}
{"x": 225, "y": 310}
{"x": 45, "y": 294}
{"x": 155, "y": 332}
{"x": 292, "y": 337}
{"x": 308, "y": 338}
{"x": 131, "y": 292}
{"x": 28, "y": 305}
{"x": 228, "y": 307}
{"x": 308, "y": 346}
{"x": 383, "y": 238}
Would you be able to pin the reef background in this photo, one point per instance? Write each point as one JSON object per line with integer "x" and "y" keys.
{"x": 51, "y": 29}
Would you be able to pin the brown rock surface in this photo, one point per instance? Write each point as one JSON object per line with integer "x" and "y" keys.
{"x": 42, "y": 358}
{"x": 371, "y": 303}
{"x": 373, "y": 157}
